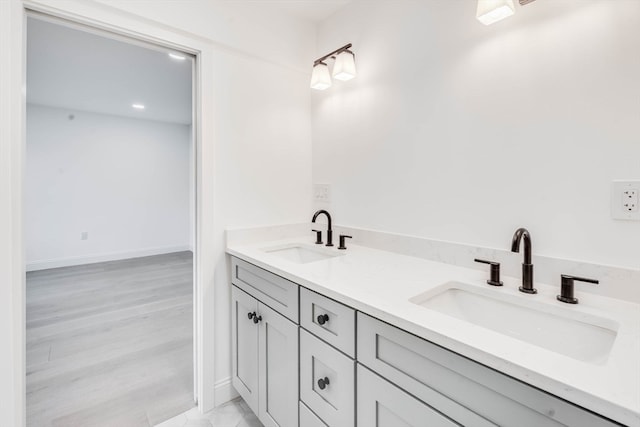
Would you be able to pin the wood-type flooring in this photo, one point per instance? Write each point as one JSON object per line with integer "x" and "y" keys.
{"x": 110, "y": 344}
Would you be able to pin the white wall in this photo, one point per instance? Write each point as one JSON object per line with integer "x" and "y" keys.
{"x": 124, "y": 181}
{"x": 458, "y": 131}
{"x": 262, "y": 164}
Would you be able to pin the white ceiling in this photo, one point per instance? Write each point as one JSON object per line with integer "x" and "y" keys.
{"x": 78, "y": 70}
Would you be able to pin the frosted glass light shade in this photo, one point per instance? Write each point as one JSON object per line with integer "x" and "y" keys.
{"x": 320, "y": 78}
{"x": 490, "y": 11}
{"x": 345, "y": 66}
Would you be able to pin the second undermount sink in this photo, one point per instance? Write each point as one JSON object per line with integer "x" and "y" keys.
{"x": 302, "y": 254}
{"x": 571, "y": 333}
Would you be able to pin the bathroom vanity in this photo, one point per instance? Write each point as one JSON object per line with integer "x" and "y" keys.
{"x": 364, "y": 337}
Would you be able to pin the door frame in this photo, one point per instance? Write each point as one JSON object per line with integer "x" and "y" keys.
{"x": 13, "y": 14}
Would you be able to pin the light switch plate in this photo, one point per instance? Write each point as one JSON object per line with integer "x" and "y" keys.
{"x": 625, "y": 195}
{"x": 322, "y": 193}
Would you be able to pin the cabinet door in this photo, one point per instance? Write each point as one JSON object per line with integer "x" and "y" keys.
{"x": 381, "y": 404}
{"x": 278, "y": 369}
{"x": 244, "y": 347}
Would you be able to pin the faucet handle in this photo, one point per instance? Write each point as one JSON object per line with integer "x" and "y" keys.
{"x": 495, "y": 272}
{"x": 566, "y": 287}
{"x": 318, "y": 236}
{"x": 342, "y": 243}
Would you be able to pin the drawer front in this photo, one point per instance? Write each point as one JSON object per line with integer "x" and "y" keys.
{"x": 456, "y": 385}
{"x": 308, "y": 418}
{"x": 381, "y": 404}
{"x": 333, "y": 322}
{"x": 275, "y": 291}
{"x": 334, "y": 402}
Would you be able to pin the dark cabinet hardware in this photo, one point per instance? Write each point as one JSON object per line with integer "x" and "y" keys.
{"x": 323, "y": 318}
{"x": 566, "y": 287}
{"x": 257, "y": 319}
{"x": 251, "y": 315}
{"x": 342, "y": 237}
{"x": 329, "y": 230}
{"x": 494, "y": 279}
{"x": 318, "y": 236}
{"x": 323, "y": 383}
{"x": 527, "y": 267}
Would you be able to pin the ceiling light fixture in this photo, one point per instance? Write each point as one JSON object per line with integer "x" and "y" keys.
{"x": 491, "y": 11}
{"x": 138, "y": 106}
{"x": 343, "y": 69}
{"x": 177, "y": 56}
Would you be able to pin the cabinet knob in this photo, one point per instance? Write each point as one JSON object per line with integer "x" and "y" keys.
{"x": 251, "y": 315}
{"x": 256, "y": 318}
{"x": 323, "y": 318}
{"x": 323, "y": 383}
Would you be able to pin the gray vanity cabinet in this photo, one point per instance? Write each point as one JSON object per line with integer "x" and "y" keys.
{"x": 265, "y": 360}
{"x": 302, "y": 359}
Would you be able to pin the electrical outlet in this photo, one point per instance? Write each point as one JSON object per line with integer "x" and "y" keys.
{"x": 630, "y": 200}
{"x": 624, "y": 200}
{"x": 84, "y": 235}
{"x": 322, "y": 193}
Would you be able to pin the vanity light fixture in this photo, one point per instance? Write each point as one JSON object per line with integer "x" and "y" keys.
{"x": 344, "y": 68}
{"x": 491, "y": 11}
{"x": 138, "y": 106}
{"x": 320, "y": 78}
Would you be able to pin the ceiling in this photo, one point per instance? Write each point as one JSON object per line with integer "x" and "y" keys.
{"x": 79, "y": 70}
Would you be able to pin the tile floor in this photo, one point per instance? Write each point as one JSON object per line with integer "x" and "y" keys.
{"x": 232, "y": 414}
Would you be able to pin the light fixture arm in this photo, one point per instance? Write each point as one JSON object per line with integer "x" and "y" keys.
{"x": 333, "y": 54}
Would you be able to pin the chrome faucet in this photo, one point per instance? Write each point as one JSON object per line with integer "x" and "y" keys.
{"x": 329, "y": 230}
{"x": 527, "y": 267}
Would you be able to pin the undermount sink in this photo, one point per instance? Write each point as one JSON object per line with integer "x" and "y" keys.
{"x": 578, "y": 335}
{"x": 302, "y": 254}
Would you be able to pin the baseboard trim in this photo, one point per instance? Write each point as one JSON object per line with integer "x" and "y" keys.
{"x": 91, "y": 259}
{"x": 224, "y": 391}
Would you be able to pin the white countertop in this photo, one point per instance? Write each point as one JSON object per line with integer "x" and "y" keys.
{"x": 381, "y": 283}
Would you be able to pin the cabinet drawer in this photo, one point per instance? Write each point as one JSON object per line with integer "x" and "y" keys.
{"x": 275, "y": 291}
{"x": 381, "y": 404}
{"x": 334, "y": 402}
{"x": 446, "y": 380}
{"x": 333, "y": 322}
{"x": 308, "y": 418}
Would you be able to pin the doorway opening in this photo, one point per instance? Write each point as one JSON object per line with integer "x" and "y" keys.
{"x": 110, "y": 226}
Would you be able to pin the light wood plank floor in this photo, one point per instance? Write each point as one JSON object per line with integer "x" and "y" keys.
{"x": 110, "y": 344}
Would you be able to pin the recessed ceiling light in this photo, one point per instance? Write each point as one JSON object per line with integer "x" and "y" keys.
{"x": 138, "y": 106}
{"x": 177, "y": 56}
